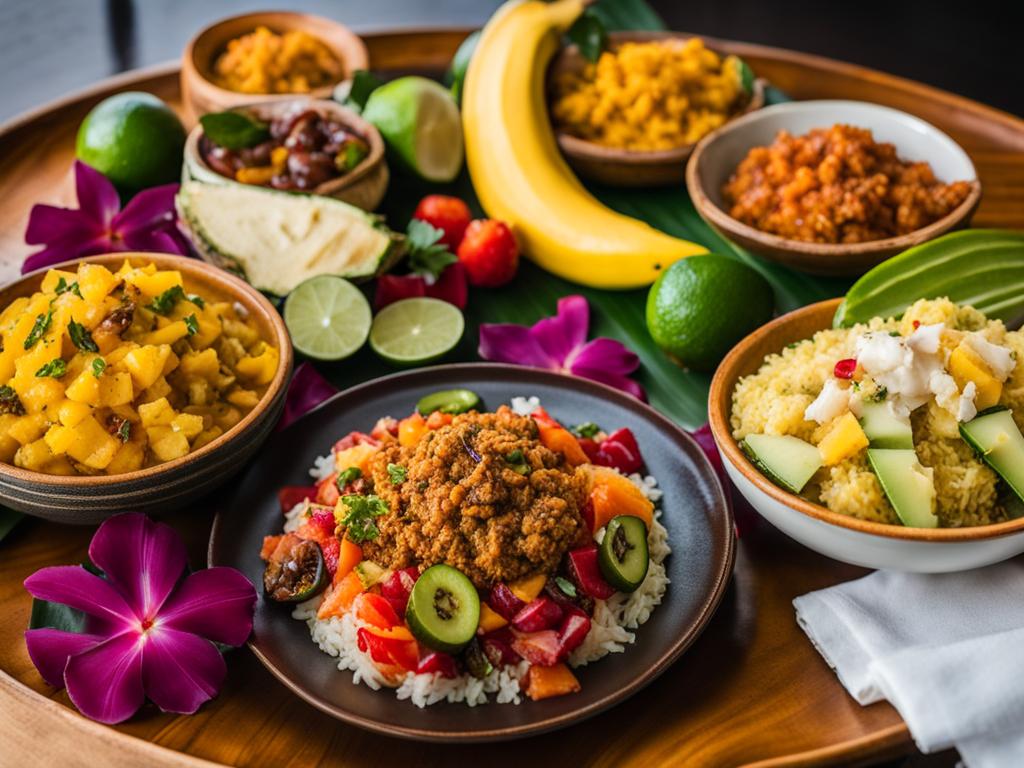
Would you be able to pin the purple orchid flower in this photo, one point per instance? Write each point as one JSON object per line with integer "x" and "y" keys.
{"x": 305, "y": 392}
{"x": 149, "y": 632}
{"x": 147, "y": 223}
{"x": 560, "y": 343}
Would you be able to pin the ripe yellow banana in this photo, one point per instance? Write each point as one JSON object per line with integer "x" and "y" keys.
{"x": 519, "y": 173}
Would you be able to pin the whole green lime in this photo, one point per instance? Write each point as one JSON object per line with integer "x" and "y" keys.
{"x": 134, "y": 139}
{"x": 702, "y": 305}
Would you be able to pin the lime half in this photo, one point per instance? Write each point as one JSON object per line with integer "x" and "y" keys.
{"x": 420, "y": 122}
{"x": 327, "y": 317}
{"x": 416, "y": 330}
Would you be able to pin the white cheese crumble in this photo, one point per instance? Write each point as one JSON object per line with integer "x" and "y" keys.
{"x": 831, "y": 402}
{"x": 999, "y": 359}
{"x": 905, "y": 367}
{"x": 966, "y": 410}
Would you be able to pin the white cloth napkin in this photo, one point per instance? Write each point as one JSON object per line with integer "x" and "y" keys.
{"x": 946, "y": 650}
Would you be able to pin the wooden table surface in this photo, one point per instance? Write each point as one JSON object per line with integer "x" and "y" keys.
{"x": 751, "y": 691}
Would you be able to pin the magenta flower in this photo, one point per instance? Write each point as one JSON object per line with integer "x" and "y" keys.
{"x": 305, "y": 392}
{"x": 560, "y": 343}
{"x": 147, "y": 223}
{"x": 149, "y": 632}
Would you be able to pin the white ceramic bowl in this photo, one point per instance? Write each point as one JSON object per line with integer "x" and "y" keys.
{"x": 845, "y": 538}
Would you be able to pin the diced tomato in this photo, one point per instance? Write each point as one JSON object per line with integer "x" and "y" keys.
{"x": 436, "y": 420}
{"x": 540, "y": 648}
{"x": 621, "y": 451}
{"x": 331, "y": 549}
{"x": 436, "y": 661}
{"x": 291, "y": 495}
{"x": 376, "y": 610}
{"x": 397, "y": 587}
{"x": 340, "y": 597}
{"x": 590, "y": 447}
{"x": 327, "y": 492}
{"x": 587, "y": 574}
{"x": 353, "y": 439}
{"x": 385, "y": 429}
{"x": 844, "y": 369}
{"x": 388, "y": 650}
{"x": 557, "y": 438}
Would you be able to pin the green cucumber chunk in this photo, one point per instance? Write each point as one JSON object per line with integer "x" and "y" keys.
{"x": 449, "y": 401}
{"x": 909, "y": 488}
{"x": 787, "y": 461}
{"x": 444, "y": 609}
{"x": 995, "y": 435}
{"x": 884, "y": 429}
{"x": 623, "y": 557}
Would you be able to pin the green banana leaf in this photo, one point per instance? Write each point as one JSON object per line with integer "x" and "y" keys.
{"x": 680, "y": 394}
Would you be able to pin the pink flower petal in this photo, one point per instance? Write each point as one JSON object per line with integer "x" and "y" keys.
{"x": 50, "y": 649}
{"x": 63, "y": 250}
{"x": 216, "y": 604}
{"x": 516, "y": 344}
{"x": 604, "y": 354}
{"x": 151, "y": 241}
{"x": 50, "y": 224}
{"x": 615, "y": 380}
{"x": 180, "y": 672}
{"x": 150, "y": 208}
{"x": 105, "y": 682}
{"x": 306, "y": 391}
{"x": 75, "y": 587}
{"x": 567, "y": 330}
{"x": 142, "y": 558}
{"x": 97, "y": 197}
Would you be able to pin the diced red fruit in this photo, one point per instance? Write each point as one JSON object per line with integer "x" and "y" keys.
{"x": 590, "y": 447}
{"x": 322, "y": 519}
{"x": 541, "y": 613}
{"x": 588, "y": 514}
{"x": 587, "y": 574}
{"x": 489, "y": 252}
{"x": 376, "y": 610}
{"x": 386, "y": 428}
{"x": 844, "y": 368}
{"x": 504, "y": 602}
{"x": 541, "y": 648}
{"x": 327, "y": 492}
{"x": 620, "y": 450}
{"x": 352, "y": 439}
{"x": 450, "y": 286}
{"x": 397, "y": 587}
{"x": 572, "y": 633}
{"x": 436, "y": 661}
{"x": 331, "y": 549}
{"x": 497, "y": 647}
{"x": 449, "y": 214}
{"x": 291, "y": 495}
{"x": 388, "y": 650}
{"x": 917, "y": 324}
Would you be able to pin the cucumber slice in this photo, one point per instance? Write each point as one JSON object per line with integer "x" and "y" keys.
{"x": 909, "y": 487}
{"x": 623, "y": 556}
{"x": 370, "y": 573}
{"x": 995, "y": 435}
{"x": 884, "y": 429}
{"x": 448, "y": 401}
{"x": 444, "y": 609}
{"x": 787, "y": 461}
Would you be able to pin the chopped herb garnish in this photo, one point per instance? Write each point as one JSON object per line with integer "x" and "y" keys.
{"x": 360, "y": 519}
{"x": 347, "y": 476}
{"x": 98, "y": 366}
{"x": 192, "y": 325}
{"x": 880, "y": 395}
{"x": 793, "y": 345}
{"x": 81, "y": 337}
{"x": 234, "y": 130}
{"x": 64, "y": 287}
{"x": 41, "y": 326}
{"x": 124, "y": 432}
{"x": 397, "y": 473}
{"x": 165, "y": 302}
{"x": 566, "y": 586}
{"x": 587, "y": 429}
{"x": 897, "y": 334}
{"x": 198, "y": 301}
{"x": 517, "y": 462}
{"x": 9, "y": 401}
{"x": 55, "y": 368}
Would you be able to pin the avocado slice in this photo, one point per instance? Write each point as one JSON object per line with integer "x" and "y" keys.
{"x": 909, "y": 486}
{"x": 276, "y": 240}
{"x": 787, "y": 461}
{"x": 884, "y": 429}
{"x": 995, "y": 435}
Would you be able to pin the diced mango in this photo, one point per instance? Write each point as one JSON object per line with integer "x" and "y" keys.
{"x": 84, "y": 389}
{"x": 146, "y": 364}
{"x": 490, "y": 619}
{"x": 93, "y": 446}
{"x": 169, "y": 334}
{"x": 966, "y": 365}
{"x": 27, "y": 428}
{"x": 42, "y": 395}
{"x": 244, "y": 398}
{"x": 70, "y": 412}
{"x": 154, "y": 284}
{"x": 845, "y": 438}
{"x": 159, "y": 389}
{"x": 53, "y": 278}
{"x": 129, "y": 457}
{"x": 166, "y": 443}
{"x": 157, "y": 413}
{"x": 59, "y": 438}
{"x": 116, "y": 389}
{"x": 34, "y": 456}
{"x": 95, "y": 282}
{"x": 188, "y": 424}
{"x": 526, "y": 589}
{"x": 206, "y": 436}
{"x": 356, "y": 456}
{"x": 203, "y": 364}
{"x": 261, "y": 368}
{"x": 8, "y": 445}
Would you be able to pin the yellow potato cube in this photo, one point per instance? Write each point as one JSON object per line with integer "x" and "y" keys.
{"x": 166, "y": 443}
{"x": 157, "y": 413}
{"x": 169, "y": 334}
{"x": 188, "y": 424}
{"x": 203, "y": 364}
{"x": 41, "y": 395}
{"x": 225, "y": 416}
{"x": 966, "y": 365}
{"x": 146, "y": 364}
{"x": 159, "y": 389}
{"x": 116, "y": 356}
{"x": 95, "y": 282}
{"x": 116, "y": 389}
{"x": 27, "y": 428}
{"x": 156, "y": 283}
{"x": 243, "y": 398}
{"x": 129, "y": 457}
{"x": 70, "y": 412}
{"x": 8, "y": 445}
{"x": 35, "y": 456}
{"x": 84, "y": 389}
{"x": 209, "y": 331}
{"x": 59, "y": 438}
{"x": 93, "y": 445}
{"x": 241, "y": 331}
{"x": 206, "y": 436}
{"x": 845, "y": 438}
{"x": 53, "y": 277}
{"x": 260, "y": 369}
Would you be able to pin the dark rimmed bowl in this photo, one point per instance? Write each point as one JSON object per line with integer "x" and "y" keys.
{"x": 695, "y": 513}
{"x": 171, "y": 486}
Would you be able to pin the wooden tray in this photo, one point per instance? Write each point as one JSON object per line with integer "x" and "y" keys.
{"x": 751, "y": 691}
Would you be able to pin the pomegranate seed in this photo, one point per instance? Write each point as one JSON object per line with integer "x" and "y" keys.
{"x": 844, "y": 368}
{"x": 917, "y": 324}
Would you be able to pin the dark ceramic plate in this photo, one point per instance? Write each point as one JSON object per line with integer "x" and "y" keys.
{"x": 695, "y": 512}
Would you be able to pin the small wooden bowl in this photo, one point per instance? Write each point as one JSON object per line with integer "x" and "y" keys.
{"x": 845, "y": 538}
{"x": 718, "y": 154}
{"x": 200, "y": 94}
{"x": 627, "y": 167}
{"x": 171, "y": 486}
{"x": 364, "y": 186}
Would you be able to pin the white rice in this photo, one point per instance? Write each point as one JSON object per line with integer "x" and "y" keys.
{"x": 609, "y": 630}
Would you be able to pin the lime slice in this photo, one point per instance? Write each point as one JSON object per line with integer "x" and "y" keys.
{"x": 420, "y": 122}
{"x": 327, "y": 317}
{"x": 416, "y": 330}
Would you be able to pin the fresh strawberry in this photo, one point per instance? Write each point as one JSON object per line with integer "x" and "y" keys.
{"x": 489, "y": 252}
{"x": 449, "y": 214}
{"x": 450, "y": 287}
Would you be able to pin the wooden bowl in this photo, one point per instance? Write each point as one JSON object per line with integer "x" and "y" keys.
{"x": 171, "y": 486}
{"x": 199, "y": 92}
{"x": 628, "y": 167}
{"x": 718, "y": 154}
{"x": 845, "y": 538}
{"x": 364, "y": 186}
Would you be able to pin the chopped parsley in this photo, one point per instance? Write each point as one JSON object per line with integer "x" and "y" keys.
{"x": 897, "y": 334}
{"x": 397, "y": 473}
{"x": 566, "y": 586}
{"x": 81, "y": 337}
{"x": 55, "y": 368}
{"x": 880, "y": 395}
{"x": 63, "y": 287}
{"x": 198, "y": 301}
{"x": 347, "y": 476}
{"x": 359, "y": 520}
{"x": 166, "y": 301}
{"x": 41, "y": 326}
{"x": 587, "y": 429}
{"x": 192, "y": 325}
{"x": 124, "y": 432}
{"x": 98, "y": 366}
{"x": 517, "y": 462}
{"x": 9, "y": 401}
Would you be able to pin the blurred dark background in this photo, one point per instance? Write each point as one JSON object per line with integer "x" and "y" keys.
{"x": 51, "y": 47}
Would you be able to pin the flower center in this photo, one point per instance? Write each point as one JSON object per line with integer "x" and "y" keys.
{"x": 146, "y": 625}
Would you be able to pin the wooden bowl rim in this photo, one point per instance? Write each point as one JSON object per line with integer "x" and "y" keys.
{"x": 230, "y": 285}
{"x": 720, "y": 407}
{"x": 348, "y": 116}
{"x": 585, "y": 149}
{"x": 306, "y": 21}
{"x": 710, "y": 210}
